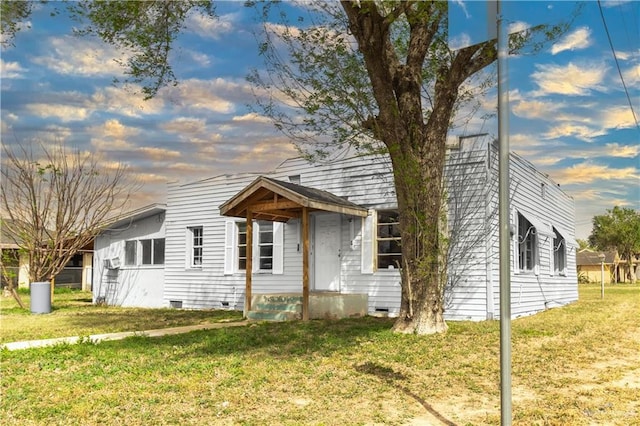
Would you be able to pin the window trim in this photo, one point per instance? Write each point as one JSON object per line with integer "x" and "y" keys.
{"x": 127, "y": 259}
{"x": 377, "y": 239}
{"x": 559, "y": 248}
{"x": 259, "y": 244}
{"x": 530, "y": 236}
{"x": 191, "y": 253}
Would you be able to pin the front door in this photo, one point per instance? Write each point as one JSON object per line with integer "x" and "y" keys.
{"x": 327, "y": 252}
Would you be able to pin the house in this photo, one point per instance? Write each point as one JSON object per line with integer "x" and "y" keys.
{"x": 326, "y": 234}
{"x": 589, "y": 266}
{"x": 76, "y": 274}
{"x": 130, "y": 259}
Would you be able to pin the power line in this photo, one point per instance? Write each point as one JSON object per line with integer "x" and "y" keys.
{"x": 613, "y": 51}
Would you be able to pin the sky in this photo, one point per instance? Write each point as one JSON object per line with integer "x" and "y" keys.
{"x": 570, "y": 114}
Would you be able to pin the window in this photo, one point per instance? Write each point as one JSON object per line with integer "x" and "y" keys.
{"x": 526, "y": 244}
{"x": 158, "y": 251}
{"x": 146, "y": 251}
{"x": 152, "y": 251}
{"x": 196, "y": 245}
{"x": 242, "y": 245}
{"x": 265, "y": 245}
{"x": 388, "y": 240}
{"x": 130, "y": 253}
{"x": 559, "y": 253}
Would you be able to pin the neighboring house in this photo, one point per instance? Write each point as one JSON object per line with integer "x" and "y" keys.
{"x": 343, "y": 214}
{"x": 129, "y": 257}
{"x": 616, "y": 269}
{"x": 76, "y": 274}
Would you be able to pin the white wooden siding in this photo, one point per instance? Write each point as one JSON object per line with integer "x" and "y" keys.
{"x": 473, "y": 288}
{"x": 137, "y": 285}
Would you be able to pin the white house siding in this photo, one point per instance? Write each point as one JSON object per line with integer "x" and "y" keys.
{"x": 367, "y": 181}
{"x": 531, "y": 292}
{"x": 131, "y": 286}
{"x": 466, "y": 178}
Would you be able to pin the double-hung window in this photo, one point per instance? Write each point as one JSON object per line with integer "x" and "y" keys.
{"x": 197, "y": 243}
{"x": 388, "y": 238}
{"x": 267, "y": 252}
{"x": 265, "y": 245}
{"x": 242, "y": 245}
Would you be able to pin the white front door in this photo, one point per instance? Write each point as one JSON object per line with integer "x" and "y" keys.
{"x": 327, "y": 252}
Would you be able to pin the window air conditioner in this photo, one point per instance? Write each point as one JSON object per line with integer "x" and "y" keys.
{"x": 113, "y": 263}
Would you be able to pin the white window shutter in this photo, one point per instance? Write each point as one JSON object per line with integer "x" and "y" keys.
{"x": 278, "y": 248}
{"x": 229, "y": 246}
{"x": 367, "y": 241}
{"x": 516, "y": 242}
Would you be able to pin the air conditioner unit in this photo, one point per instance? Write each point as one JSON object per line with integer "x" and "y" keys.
{"x": 113, "y": 263}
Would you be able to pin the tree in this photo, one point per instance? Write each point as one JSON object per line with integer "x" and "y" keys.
{"x": 380, "y": 75}
{"x": 376, "y": 75}
{"x": 55, "y": 202}
{"x": 619, "y": 230}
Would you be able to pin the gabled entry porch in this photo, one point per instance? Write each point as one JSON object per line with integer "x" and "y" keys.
{"x": 274, "y": 200}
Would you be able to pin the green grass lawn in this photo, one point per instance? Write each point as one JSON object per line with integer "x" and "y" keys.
{"x": 73, "y": 314}
{"x": 576, "y": 365}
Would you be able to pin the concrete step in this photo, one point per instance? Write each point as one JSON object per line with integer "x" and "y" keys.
{"x": 273, "y": 316}
{"x": 281, "y": 299}
{"x": 278, "y": 306}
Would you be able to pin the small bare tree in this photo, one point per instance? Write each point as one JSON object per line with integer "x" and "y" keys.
{"x": 56, "y": 201}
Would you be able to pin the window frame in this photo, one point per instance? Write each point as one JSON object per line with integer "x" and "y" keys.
{"x": 239, "y": 245}
{"x": 196, "y": 246}
{"x": 389, "y": 237}
{"x": 527, "y": 237}
{"x": 260, "y": 226}
{"x": 131, "y": 258}
{"x": 559, "y": 254}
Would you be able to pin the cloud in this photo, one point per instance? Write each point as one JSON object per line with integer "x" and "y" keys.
{"x": 537, "y": 109}
{"x": 578, "y": 39}
{"x": 159, "y": 154}
{"x": 201, "y": 94}
{"x": 632, "y": 76}
{"x": 622, "y": 151}
{"x": 11, "y": 70}
{"x": 618, "y": 118}
{"x": 78, "y": 56}
{"x": 588, "y": 172}
{"x": 183, "y": 125}
{"x": 211, "y": 27}
{"x": 112, "y": 135}
{"x": 63, "y": 112}
{"x": 252, "y": 117}
{"x": 579, "y": 131}
{"x": 571, "y": 79}
{"x": 126, "y": 101}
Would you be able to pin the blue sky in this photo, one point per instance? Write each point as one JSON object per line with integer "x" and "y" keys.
{"x": 570, "y": 115}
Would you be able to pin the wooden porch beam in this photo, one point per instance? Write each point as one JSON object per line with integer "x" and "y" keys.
{"x": 260, "y": 206}
{"x": 305, "y": 264}
{"x": 249, "y": 263}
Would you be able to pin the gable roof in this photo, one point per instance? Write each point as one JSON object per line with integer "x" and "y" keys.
{"x": 276, "y": 200}
{"x": 590, "y": 257}
{"x": 134, "y": 215}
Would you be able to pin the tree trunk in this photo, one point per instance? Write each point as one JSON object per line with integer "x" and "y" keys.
{"x": 418, "y": 178}
{"x": 17, "y": 297}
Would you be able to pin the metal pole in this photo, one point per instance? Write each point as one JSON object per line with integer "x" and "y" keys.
{"x": 503, "y": 210}
{"x": 602, "y": 279}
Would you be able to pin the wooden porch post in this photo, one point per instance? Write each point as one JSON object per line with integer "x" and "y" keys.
{"x": 249, "y": 264}
{"x": 305, "y": 264}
